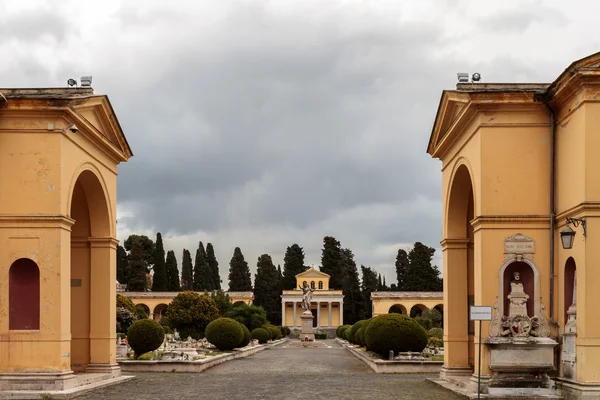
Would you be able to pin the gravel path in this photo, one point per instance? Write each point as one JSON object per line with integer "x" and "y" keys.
{"x": 279, "y": 373}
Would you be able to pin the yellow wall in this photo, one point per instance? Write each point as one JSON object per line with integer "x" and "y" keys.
{"x": 313, "y": 275}
{"x": 383, "y": 305}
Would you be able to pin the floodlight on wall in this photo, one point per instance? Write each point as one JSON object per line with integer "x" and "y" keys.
{"x": 567, "y": 235}
{"x": 463, "y": 77}
{"x": 72, "y": 82}
{"x": 476, "y": 77}
{"x": 86, "y": 81}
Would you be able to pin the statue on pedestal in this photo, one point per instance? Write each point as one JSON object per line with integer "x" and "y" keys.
{"x": 517, "y": 297}
{"x": 307, "y": 293}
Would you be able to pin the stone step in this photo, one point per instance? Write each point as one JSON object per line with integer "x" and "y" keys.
{"x": 87, "y": 378}
{"x": 457, "y": 385}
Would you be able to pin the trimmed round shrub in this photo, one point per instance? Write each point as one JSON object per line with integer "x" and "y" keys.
{"x": 360, "y": 334}
{"x": 357, "y": 335}
{"x": 261, "y": 335}
{"x": 354, "y": 330}
{"x": 144, "y": 336}
{"x": 436, "y": 333}
{"x": 394, "y": 332}
{"x": 341, "y": 331}
{"x": 247, "y": 336}
{"x": 283, "y": 331}
{"x": 224, "y": 333}
{"x": 350, "y": 334}
{"x": 288, "y": 331}
{"x": 274, "y": 332}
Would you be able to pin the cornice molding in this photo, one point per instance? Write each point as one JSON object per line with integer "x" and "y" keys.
{"x": 585, "y": 209}
{"x": 510, "y": 221}
{"x": 448, "y": 244}
{"x": 36, "y": 221}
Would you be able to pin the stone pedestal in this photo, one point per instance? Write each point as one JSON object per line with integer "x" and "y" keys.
{"x": 307, "y": 326}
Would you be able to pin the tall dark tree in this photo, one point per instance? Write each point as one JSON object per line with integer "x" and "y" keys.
{"x": 279, "y": 277}
{"x": 293, "y": 264}
{"x": 172, "y": 273}
{"x": 384, "y": 286}
{"x": 266, "y": 288}
{"x": 187, "y": 275}
{"x": 402, "y": 266}
{"x": 213, "y": 264}
{"x": 379, "y": 283}
{"x": 202, "y": 274}
{"x": 137, "y": 268}
{"x": 145, "y": 249}
{"x": 368, "y": 286}
{"x": 393, "y": 287}
{"x": 159, "y": 280}
{"x": 353, "y": 310}
{"x": 421, "y": 275}
{"x": 122, "y": 265}
{"x": 331, "y": 262}
{"x": 239, "y": 273}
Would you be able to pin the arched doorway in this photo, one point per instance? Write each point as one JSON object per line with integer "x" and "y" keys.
{"x": 24, "y": 295}
{"x": 93, "y": 275}
{"x": 417, "y": 310}
{"x": 569, "y": 290}
{"x": 159, "y": 311}
{"x": 398, "y": 309}
{"x": 459, "y": 263}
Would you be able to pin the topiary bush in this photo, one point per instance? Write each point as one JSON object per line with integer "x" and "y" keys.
{"x": 320, "y": 335}
{"x": 190, "y": 313}
{"x": 354, "y": 329}
{"x": 424, "y": 322}
{"x": 360, "y": 334}
{"x": 349, "y": 334}
{"x": 274, "y": 332}
{"x": 251, "y": 316}
{"x": 247, "y": 336}
{"x": 224, "y": 333}
{"x": 394, "y": 332}
{"x": 436, "y": 333}
{"x": 144, "y": 336}
{"x": 261, "y": 335}
{"x": 283, "y": 331}
{"x": 341, "y": 331}
{"x": 288, "y": 331}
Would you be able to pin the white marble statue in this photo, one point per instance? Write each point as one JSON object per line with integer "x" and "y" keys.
{"x": 307, "y": 294}
{"x": 517, "y": 297}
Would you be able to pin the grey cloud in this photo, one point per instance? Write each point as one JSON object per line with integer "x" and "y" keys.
{"x": 31, "y": 26}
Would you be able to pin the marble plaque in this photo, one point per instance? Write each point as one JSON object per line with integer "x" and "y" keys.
{"x": 519, "y": 244}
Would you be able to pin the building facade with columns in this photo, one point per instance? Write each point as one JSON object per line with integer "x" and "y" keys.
{"x": 327, "y": 305}
{"x": 521, "y": 221}
{"x": 59, "y": 151}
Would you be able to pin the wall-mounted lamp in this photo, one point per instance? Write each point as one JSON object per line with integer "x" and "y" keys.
{"x": 71, "y": 128}
{"x": 567, "y": 235}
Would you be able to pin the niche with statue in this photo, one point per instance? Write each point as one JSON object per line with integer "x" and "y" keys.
{"x": 521, "y": 350}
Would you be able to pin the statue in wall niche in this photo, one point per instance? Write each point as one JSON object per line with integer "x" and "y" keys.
{"x": 517, "y": 297}
{"x": 307, "y": 294}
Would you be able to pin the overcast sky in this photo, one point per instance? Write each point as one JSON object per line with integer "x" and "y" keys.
{"x": 260, "y": 124}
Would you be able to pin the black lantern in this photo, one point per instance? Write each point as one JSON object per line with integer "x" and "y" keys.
{"x": 567, "y": 236}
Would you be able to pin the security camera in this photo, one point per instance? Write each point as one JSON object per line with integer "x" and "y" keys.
{"x": 73, "y": 128}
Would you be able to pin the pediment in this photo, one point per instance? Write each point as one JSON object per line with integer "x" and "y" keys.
{"x": 312, "y": 273}
{"x": 98, "y": 118}
{"x": 452, "y": 105}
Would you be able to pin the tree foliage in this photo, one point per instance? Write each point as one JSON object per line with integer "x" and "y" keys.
{"x": 239, "y": 273}
{"x": 368, "y": 286}
{"x": 138, "y": 264}
{"x": 190, "y": 312}
{"x": 213, "y": 264}
{"x": 202, "y": 273}
{"x": 122, "y": 265}
{"x": 159, "y": 280}
{"x": 144, "y": 250}
{"x": 402, "y": 266}
{"x": 172, "y": 272}
{"x": 421, "y": 275}
{"x": 222, "y": 300}
{"x": 251, "y": 316}
{"x": 293, "y": 264}
{"x": 331, "y": 262}
{"x": 187, "y": 277}
{"x": 267, "y": 292}
{"x": 353, "y": 310}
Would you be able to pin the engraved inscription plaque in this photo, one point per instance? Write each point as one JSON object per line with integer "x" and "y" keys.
{"x": 519, "y": 244}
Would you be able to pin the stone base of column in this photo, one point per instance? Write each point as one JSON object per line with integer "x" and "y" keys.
{"x": 112, "y": 369}
{"x": 307, "y": 326}
{"x": 50, "y": 381}
{"x": 572, "y": 390}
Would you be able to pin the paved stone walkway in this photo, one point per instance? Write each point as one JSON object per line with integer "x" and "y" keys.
{"x": 279, "y": 373}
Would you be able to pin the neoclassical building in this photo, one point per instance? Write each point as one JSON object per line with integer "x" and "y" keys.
{"x": 327, "y": 305}
{"x": 405, "y": 302}
{"x": 59, "y": 151}
{"x": 521, "y": 231}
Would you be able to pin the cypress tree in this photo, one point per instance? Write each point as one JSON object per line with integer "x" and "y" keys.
{"x": 137, "y": 268}
{"x": 379, "y": 283}
{"x": 266, "y": 289}
{"x": 368, "y": 286}
{"x": 402, "y": 266}
{"x": 187, "y": 278}
{"x": 144, "y": 249}
{"x": 122, "y": 265}
{"x": 293, "y": 264}
{"x": 279, "y": 277}
{"x": 331, "y": 262}
{"x": 159, "y": 280}
{"x": 384, "y": 287}
{"x": 421, "y": 275}
{"x": 202, "y": 273}
{"x": 214, "y": 266}
{"x": 239, "y": 273}
{"x": 351, "y": 288}
{"x": 172, "y": 273}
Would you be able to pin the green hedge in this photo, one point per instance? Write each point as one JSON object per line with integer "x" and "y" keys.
{"x": 224, "y": 333}
{"x": 394, "y": 332}
{"x": 144, "y": 336}
{"x": 352, "y": 335}
{"x": 247, "y": 336}
{"x": 261, "y": 335}
{"x": 341, "y": 331}
{"x": 320, "y": 335}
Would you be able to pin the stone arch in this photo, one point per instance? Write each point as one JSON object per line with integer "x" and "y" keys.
{"x": 24, "y": 295}
{"x": 93, "y": 274}
{"x": 159, "y": 311}
{"x": 417, "y": 310}
{"x": 145, "y": 308}
{"x": 534, "y": 307}
{"x": 570, "y": 282}
{"x": 398, "y": 309}
{"x": 459, "y": 264}
{"x": 89, "y": 176}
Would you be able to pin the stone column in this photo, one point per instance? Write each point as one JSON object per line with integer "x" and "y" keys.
{"x": 341, "y": 313}
{"x": 103, "y": 298}
{"x": 329, "y": 304}
{"x": 294, "y": 324}
{"x": 318, "y": 314}
{"x": 282, "y": 312}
